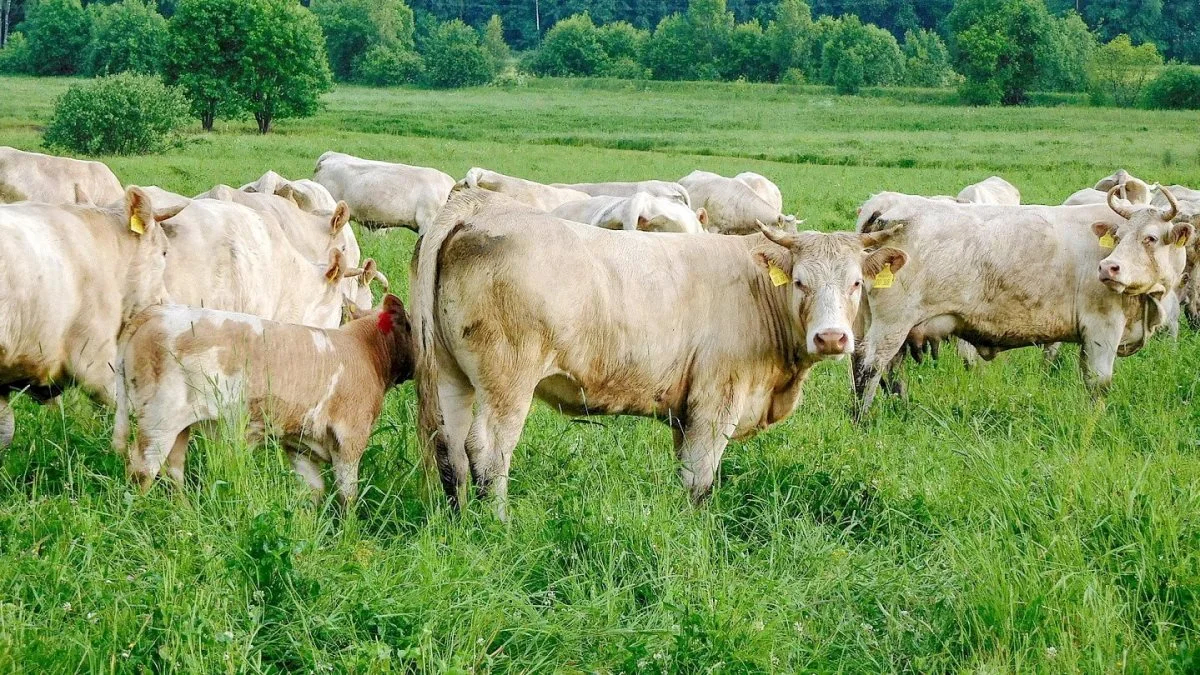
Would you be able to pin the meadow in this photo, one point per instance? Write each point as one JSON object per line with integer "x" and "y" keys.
{"x": 995, "y": 520}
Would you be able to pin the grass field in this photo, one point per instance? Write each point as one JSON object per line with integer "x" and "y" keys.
{"x": 995, "y": 521}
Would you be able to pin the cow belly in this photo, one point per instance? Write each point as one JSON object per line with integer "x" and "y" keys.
{"x": 608, "y": 397}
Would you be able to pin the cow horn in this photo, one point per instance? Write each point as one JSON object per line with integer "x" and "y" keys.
{"x": 1170, "y": 215}
{"x": 779, "y": 236}
{"x": 878, "y": 237}
{"x": 1119, "y": 210}
{"x": 382, "y": 280}
{"x": 353, "y": 272}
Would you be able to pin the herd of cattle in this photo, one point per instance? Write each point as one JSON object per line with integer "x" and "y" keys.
{"x": 598, "y": 298}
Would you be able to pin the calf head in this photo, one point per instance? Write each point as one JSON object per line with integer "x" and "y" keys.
{"x": 146, "y": 243}
{"x": 1148, "y": 255}
{"x": 825, "y": 274}
{"x": 394, "y": 327}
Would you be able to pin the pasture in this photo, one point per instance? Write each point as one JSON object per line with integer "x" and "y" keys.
{"x": 997, "y": 520}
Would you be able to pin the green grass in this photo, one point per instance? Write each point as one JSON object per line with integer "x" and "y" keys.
{"x": 996, "y": 521}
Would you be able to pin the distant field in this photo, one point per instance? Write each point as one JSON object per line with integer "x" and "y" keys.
{"x": 995, "y": 521}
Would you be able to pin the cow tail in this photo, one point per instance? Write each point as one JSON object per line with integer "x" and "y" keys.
{"x": 435, "y": 454}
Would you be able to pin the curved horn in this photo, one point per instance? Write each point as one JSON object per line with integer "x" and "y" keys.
{"x": 383, "y": 281}
{"x": 353, "y": 272}
{"x": 782, "y": 237}
{"x": 878, "y": 237}
{"x": 1170, "y": 215}
{"x": 1119, "y": 210}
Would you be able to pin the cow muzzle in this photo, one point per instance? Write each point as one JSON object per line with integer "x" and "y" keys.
{"x": 831, "y": 342}
{"x": 1110, "y": 273}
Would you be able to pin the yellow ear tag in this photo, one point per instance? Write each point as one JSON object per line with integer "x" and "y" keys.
{"x": 1107, "y": 241}
{"x": 778, "y": 276}
{"x": 136, "y": 224}
{"x": 885, "y": 277}
{"x": 1181, "y": 242}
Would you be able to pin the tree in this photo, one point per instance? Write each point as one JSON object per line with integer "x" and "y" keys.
{"x": 494, "y": 44}
{"x": 207, "y": 41}
{"x": 789, "y": 36}
{"x": 882, "y": 61}
{"x": 1064, "y": 64}
{"x": 284, "y": 69}
{"x": 926, "y": 59}
{"x": 128, "y": 36}
{"x": 352, "y": 27}
{"x": 666, "y": 54}
{"x": 571, "y": 48}
{"x": 1118, "y": 71}
{"x": 996, "y": 46}
{"x": 455, "y": 58}
{"x": 746, "y": 54}
{"x": 58, "y": 32}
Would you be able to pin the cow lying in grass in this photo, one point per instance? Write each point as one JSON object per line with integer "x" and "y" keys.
{"x": 320, "y": 390}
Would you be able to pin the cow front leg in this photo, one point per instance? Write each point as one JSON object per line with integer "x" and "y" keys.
{"x": 699, "y": 447}
{"x": 8, "y": 423}
{"x": 308, "y": 471}
{"x": 869, "y": 362}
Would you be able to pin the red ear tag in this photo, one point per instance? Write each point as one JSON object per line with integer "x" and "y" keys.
{"x": 385, "y": 322}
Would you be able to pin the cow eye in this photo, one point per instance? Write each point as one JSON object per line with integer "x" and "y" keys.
{"x": 1151, "y": 240}
{"x": 856, "y": 285}
{"x": 800, "y": 285}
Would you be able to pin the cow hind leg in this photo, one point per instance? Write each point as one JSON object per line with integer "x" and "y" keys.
{"x": 8, "y": 423}
{"x": 494, "y": 434}
{"x": 308, "y": 471}
{"x": 457, "y": 399}
{"x": 177, "y": 458}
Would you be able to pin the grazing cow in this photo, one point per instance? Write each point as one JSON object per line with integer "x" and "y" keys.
{"x": 310, "y": 196}
{"x": 656, "y": 188}
{"x": 1131, "y": 191}
{"x": 32, "y": 176}
{"x": 994, "y": 190}
{"x": 639, "y": 212}
{"x": 180, "y": 366}
{"x": 733, "y": 206}
{"x": 227, "y": 256}
{"x": 383, "y": 194}
{"x": 763, "y": 187}
{"x": 541, "y": 197}
{"x": 72, "y": 276}
{"x": 1007, "y": 277}
{"x": 713, "y": 335}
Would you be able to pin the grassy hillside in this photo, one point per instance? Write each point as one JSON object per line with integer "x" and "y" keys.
{"x": 996, "y": 520}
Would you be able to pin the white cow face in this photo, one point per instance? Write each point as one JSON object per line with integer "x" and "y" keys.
{"x": 825, "y": 275}
{"x": 1149, "y": 252}
{"x": 144, "y": 285}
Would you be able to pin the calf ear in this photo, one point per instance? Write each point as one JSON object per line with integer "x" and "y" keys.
{"x": 392, "y": 314}
{"x": 337, "y": 261}
{"x": 341, "y": 216}
{"x": 1182, "y": 233}
{"x": 139, "y": 212}
{"x": 702, "y": 215}
{"x": 893, "y": 257}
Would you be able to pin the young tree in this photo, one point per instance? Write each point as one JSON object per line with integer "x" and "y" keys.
{"x": 455, "y": 58}
{"x": 283, "y": 69}
{"x": 926, "y": 59}
{"x": 58, "y": 32}
{"x": 352, "y": 27}
{"x": 1064, "y": 63}
{"x": 1119, "y": 71}
{"x": 128, "y": 36}
{"x": 882, "y": 61}
{"x": 494, "y": 44}
{"x": 996, "y": 46}
{"x": 571, "y": 48}
{"x": 207, "y": 41}
{"x": 790, "y": 35}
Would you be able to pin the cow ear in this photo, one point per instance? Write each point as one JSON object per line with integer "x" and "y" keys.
{"x": 392, "y": 308}
{"x": 337, "y": 261}
{"x": 892, "y": 258}
{"x": 702, "y": 214}
{"x": 1182, "y": 233}
{"x": 341, "y": 216}
{"x": 1100, "y": 229}
{"x": 642, "y": 222}
{"x": 139, "y": 212}
{"x": 774, "y": 257}
{"x": 287, "y": 193}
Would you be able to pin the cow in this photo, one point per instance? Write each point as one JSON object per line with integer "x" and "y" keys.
{"x": 656, "y": 188}
{"x": 536, "y": 195}
{"x": 712, "y": 335}
{"x": 763, "y": 187}
{"x": 1131, "y": 190}
{"x": 733, "y": 206}
{"x": 32, "y": 176}
{"x": 72, "y": 275}
{"x": 383, "y": 194}
{"x": 309, "y": 195}
{"x": 1008, "y": 277}
{"x": 166, "y": 203}
{"x": 639, "y": 212}
{"x": 227, "y": 256}
{"x": 182, "y": 366}
{"x": 993, "y": 190}
{"x": 1188, "y": 198}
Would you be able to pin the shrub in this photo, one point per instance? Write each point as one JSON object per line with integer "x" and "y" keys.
{"x": 128, "y": 36}
{"x": 15, "y": 57}
{"x": 746, "y": 54}
{"x": 1119, "y": 71}
{"x": 207, "y": 39}
{"x": 882, "y": 61}
{"x": 625, "y": 69}
{"x": 621, "y": 40}
{"x": 352, "y": 27}
{"x": 571, "y": 48}
{"x": 123, "y": 114}
{"x": 667, "y": 54}
{"x": 384, "y": 66}
{"x": 793, "y": 76}
{"x": 850, "y": 75}
{"x": 494, "y": 44}
{"x": 790, "y": 37}
{"x": 926, "y": 60}
{"x": 1177, "y": 88}
{"x": 455, "y": 57}
{"x": 1064, "y": 63}
{"x": 58, "y": 32}
{"x": 997, "y": 46}
{"x": 284, "y": 67}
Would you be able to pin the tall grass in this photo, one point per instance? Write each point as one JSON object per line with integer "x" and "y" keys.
{"x": 996, "y": 520}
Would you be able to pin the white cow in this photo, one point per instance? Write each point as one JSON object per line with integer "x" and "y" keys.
{"x": 733, "y": 206}
{"x": 541, "y": 197}
{"x": 639, "y": 212}
{"x": 32, "y": 176}
{"x": 309, "y": 195}
{"x": 763, "y": 187}
{"x": 994, "y": 190}
{"x": 657, "y": 188}
{"x": 383, "y": 194}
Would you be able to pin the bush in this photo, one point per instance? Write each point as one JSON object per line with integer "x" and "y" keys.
{"x": 1176, "y": 88}
{"x": 353, "y": 27}
{"x": 455, "y": 57}
{"x": 384, "y": 66}
{"x": 571, "y": 48}
{"x": 850, "y": 75}
{"x": 123, "y": 114}
{"x": 128, "y": 36}
{"x": 15, "y": 57}
{"x": 667, "y": 54}
{"x": 926, "y": 60}
{"x": 58, "y": 32}
{"x": 793, "y": 76}
{"x": 1119, "y": 71}
{"x": 1064, "y": 64}
{"x": 621, "y": 40}
{"x": 625, "y": 69}
{"x": 998, "y": 47}
{"x": 882, "y": 63}
{"x": 790, "y": 37}
{"x": 746, "y": 54}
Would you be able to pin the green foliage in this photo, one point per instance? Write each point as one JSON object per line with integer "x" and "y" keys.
{"x": 1176, "y": 88}
{"x": 58, "y": 32}
{"x": 494, "y": 44}
{"x": 127, "y": 36}
{"x": 1070, "y": 48}
{"x": 882, "y": 61}
{"x": 352, "y": 27}
{"x": 16, "y": 57}
{"x": 1118, "y": 71}
{"x": 746, "y": 55}
{"x": 284, "y": 67}
{"x": 384, "y": 66}
{"x": 571, "y": 48}
{"x": 790, "y": 36}
{"x": 997, "y": 47}
{"x": 667, "y": 54}
{"x": 123, "y": 114}
{"x": 926, "y": 60}
{"x": 621, "y": 40}
{"x": 207, "y": 41}
{"x": 455, "y": 58}
{"x": 850, "y": 75}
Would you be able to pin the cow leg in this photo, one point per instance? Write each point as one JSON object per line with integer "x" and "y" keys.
{"x": 699, "y": 447}
{"x": 1050, "y": 352}
{"x": 493, "y": 437}
{"x": 1097, "y": 354}
{"x": 968, "y": 353}
{"x": 345, "y": 466}
{"x": 873, "y": 355}
{"x": 8, "y": 424}
{"x": 457, "y": 401}
{"x": 893, "y": 382}
{"x": 309, "y": 472}
{"x": 152, "y": 449}
{"x": 177, "y": 459}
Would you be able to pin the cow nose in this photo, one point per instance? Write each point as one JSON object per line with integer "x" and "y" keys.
{"x": 1109, "y": 270}
{"x": 831, "y": 341}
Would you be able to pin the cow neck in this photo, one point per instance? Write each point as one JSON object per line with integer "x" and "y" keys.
{"x": 781, "y": 325}
{"x": 366, "y": 334}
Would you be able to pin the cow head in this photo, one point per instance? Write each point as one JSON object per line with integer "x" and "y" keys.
{"x": 1128, "y": 187}
{"x": 393, "y": 324}
{"x": 1148, "y": 252}
{"x": 147, "y": 262}
{"x": 825, "y": 274}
